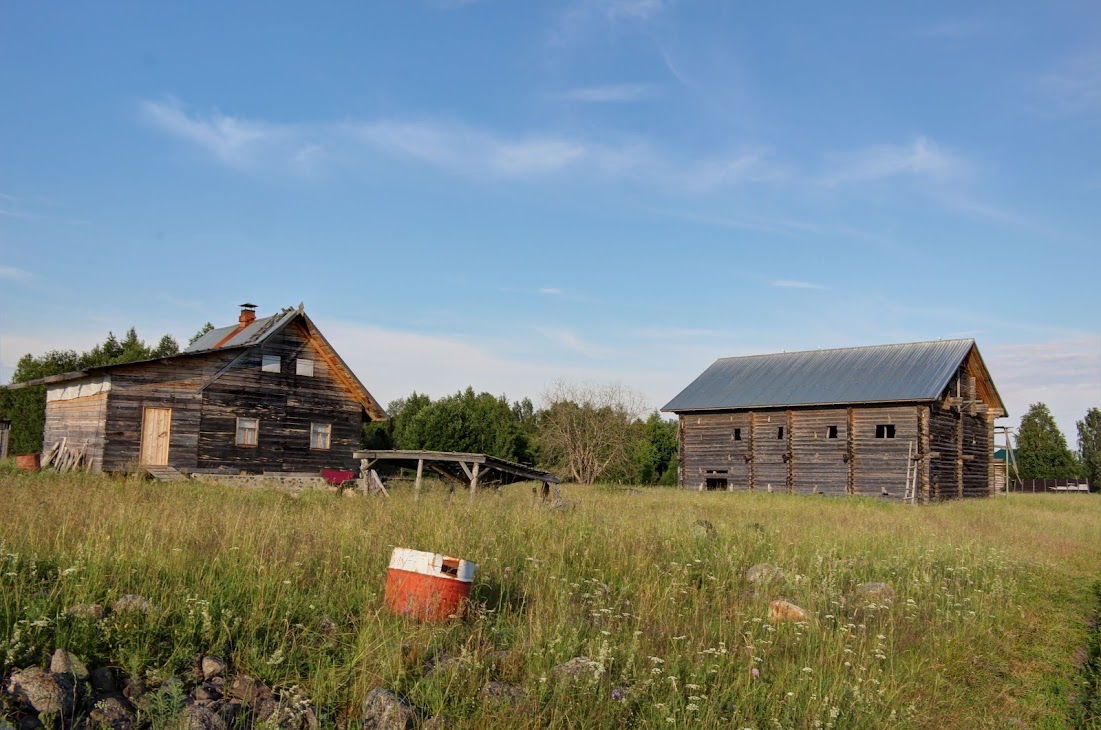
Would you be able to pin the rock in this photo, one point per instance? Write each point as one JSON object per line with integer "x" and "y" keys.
{"x": 782, "y": 611}
{"x": 47, "y": 694}
{"x": 103, "y": 680}
{"x": 502, "y": 692}
{"x": 438, "y": 722}
{"x": 579, "y": 668}
{"x": 327, "y": 625}
{"x": 92, "y": 611}
{"x": 30, "y": 722}
{"x": 704, "y": 528}
{"x": 384, "y": 710}
{"x": 199, "y": 717}
{"x": 229, "y": 712}
{"x": 112, "y": 711}
{"x": 132, "y": 688}
{"x": 132, "y": 602}
{"x": 206, "y": 692}
{"x": 247, "y": 689}
{"x": 213, "y": 667}
{"x": 763, "y": 573}
{"x": 875, "y": 592}
{"x": 65, "y": 662}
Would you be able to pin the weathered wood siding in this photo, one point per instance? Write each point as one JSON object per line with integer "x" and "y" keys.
{"x": 881, "y": 463}
{"x": 804, "y": 458}
{"x": 962, "y": 440}
{"x": 285, "y": 404}
{"x": 819, "y": 463}
{"x": 174, "y": 383}
{"x": 80, "y": 421}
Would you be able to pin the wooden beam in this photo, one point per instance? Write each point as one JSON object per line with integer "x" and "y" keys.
{"x": 469, "y": 474}
{"x": 417, "y": 484}
{"x": 473, "y": 479}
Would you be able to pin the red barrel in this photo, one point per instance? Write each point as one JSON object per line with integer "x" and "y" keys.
{"x": 427, "y": 586}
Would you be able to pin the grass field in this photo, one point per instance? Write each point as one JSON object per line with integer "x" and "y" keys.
{"x": 990, "y": 625}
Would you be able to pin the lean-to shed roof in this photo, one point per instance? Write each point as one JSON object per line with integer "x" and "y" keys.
{"x": 917, "y": 371}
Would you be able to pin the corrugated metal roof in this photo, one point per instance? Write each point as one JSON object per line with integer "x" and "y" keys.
{"x": 916, "y": 371}
{"x": 253, "y": 334}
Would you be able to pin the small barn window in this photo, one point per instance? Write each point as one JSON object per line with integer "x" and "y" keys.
{"x": 831, "y": 432}
{"x": 270, "y": 364}
{"x": 780, "y": 432}
{"x": 737, "y": 434}
{"x": 248, "y": 429}
{"x": 885, "y": 431}
{"x": 303, "y": 367}
{"x": 320, "y": 435}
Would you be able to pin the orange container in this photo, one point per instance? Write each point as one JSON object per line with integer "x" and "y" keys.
{"x": 28, "y": 462}
{"x": 427, "y": 586}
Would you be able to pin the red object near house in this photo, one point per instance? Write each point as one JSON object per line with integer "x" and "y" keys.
{"x": 338, "y": 476}
{"x": 28, "y": 462}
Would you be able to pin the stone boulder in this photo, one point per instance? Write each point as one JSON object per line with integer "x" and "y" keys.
{"x": 579, "y": 668}
{"x": 65, "y": 662}
{"x": 212, "y": 667}
{"x": 112, "y": 711}
{"x": 764, "y": 573}
{"x": 784, "y": 611}
{"x": 875, "y": 592}
{"x": 132, "y": 602}
{"x": 92, "y": 611}
{"x": 503, "y": 692}
{"x": 45, "y": 693}
{"x": 703, "y": 528}
{"x": 384, "y": 710}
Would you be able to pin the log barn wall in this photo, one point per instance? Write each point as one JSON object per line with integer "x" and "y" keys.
{"x": 821, "y": 450}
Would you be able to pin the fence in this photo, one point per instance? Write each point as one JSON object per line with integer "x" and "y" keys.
{"x": 1052, "y": 485}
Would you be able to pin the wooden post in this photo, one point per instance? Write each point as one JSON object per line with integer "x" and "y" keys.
{"x": 417, "y": 485}
{"x": 474, "y": 480}
{"x": 752, "y": 451}
{"x": 850, "y": 448}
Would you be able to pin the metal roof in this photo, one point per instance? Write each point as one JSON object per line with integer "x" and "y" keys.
{"x": 917, "y": 371}
{"x": 253, "y": 334}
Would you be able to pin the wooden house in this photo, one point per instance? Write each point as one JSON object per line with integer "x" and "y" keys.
{"x": 262, "y": 395}
{"x": 913, "y": 420}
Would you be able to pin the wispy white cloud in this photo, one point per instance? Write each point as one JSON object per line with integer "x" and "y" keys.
{"x": 12, "y": 273}
{"x": 568, "y": 340}
{"x": 611, "y": 93}
{"x": 584, "y": 19}
{"x": 1072, "y": 89}
{"x": 953, "y": 29}
{"x": 1064, "y": 374}
{"x": 551, "y": 291}
{"x": 921, "y": 158}
{"x": 467, "y": 149}
{"x": 795, "y": 284}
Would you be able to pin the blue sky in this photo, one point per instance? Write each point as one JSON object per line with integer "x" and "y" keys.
{"x": 502, "y": 194}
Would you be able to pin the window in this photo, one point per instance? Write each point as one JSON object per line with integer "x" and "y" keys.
{"x": 320, "y": 435}
{"x": 737, "y": 434}
{"x": 303, "y": 367}
{"x": 831, "y": 432}
{"x": 780, "y": 432}
{"x": 248, "y": 429}
{"x": 885, "y": 431}
{"x": 270, "y": 364}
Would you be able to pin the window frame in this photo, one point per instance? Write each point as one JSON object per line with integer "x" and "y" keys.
{"x": 268, "y": 361}
{"x": 240, "y": 433}
{"x": 322, "y": 429}
{"x": 885, "y": 430}
{"x": 299, "y": 362}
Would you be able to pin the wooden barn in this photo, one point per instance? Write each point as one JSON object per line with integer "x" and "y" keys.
{"x": 262, "y": 395}
{"x": 913, "y": 421}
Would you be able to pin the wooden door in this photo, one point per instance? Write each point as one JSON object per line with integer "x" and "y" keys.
{"x": 156, "y": 427}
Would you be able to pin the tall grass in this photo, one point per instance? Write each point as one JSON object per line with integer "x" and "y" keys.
{"x": 993, "y": 600}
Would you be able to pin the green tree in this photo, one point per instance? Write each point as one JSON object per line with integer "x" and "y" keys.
{"x": 590, "y": 432}
{"x": 1042, "y": 451}
{"x": 202, "y": 331}
{"x": 1089, "y": 447}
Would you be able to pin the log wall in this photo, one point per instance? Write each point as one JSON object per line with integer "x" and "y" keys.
{"x": 173, "y": 383}
{"x": 805, "y": 458}
{"x": 285, "y": 404}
